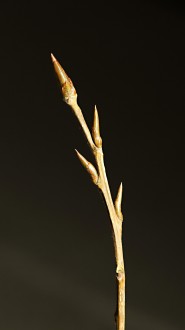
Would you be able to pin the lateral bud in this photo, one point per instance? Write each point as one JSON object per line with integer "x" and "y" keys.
{"x": 96, "y": 129}
{"x": 67, "y": 88}
{"x": 118, "y": 202}
{"x": 89, "y": 167}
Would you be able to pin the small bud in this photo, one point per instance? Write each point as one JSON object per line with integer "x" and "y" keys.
{"x": 118, "y": 202}
{"x": 89, "y": 167}
{"x": 96, "y": 129}
{"x": 68, "y": 90}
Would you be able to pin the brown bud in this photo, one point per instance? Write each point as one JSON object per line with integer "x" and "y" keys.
{"x": 68, "y": 90}
{"x": 96, "y": 129}
{"x": 89, "y": 167}
{"x": 118, "y": 202}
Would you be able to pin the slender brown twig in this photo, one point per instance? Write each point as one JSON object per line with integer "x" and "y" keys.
{"x": 99, "y": 178}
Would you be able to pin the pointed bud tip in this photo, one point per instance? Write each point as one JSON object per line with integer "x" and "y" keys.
{"x": 67, "y": 88}
{"x": 53, "y": 58}
{"x": 80, "y": 156}
{"x": 120, "y": 191}
{"x": 96, "y": 129}
{"x": 62, "y": 76}
{"x": 118, "y": 202}
{"x": 96, "y": 111}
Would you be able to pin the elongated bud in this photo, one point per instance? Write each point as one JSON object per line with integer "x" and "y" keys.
{"x": 96, "y": 129}
{"x": 89, "y": 167}
{"x": 68, "y": 90}
{"x": 118, "y": 202}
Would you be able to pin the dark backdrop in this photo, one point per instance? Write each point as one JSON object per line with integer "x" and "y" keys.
{"x": 57, "y": 268}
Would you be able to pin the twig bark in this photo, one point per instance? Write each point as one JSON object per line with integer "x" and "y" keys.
{"x": 99, "y": 178}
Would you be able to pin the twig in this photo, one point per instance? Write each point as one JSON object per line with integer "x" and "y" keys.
{"x": 99, "y": 178}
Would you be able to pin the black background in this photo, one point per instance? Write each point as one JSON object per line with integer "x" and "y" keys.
{"x": 57, "y": 268}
